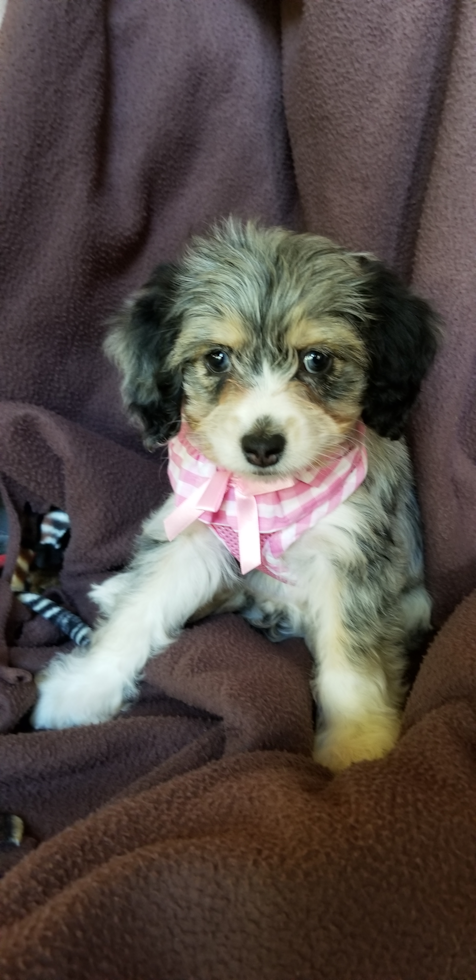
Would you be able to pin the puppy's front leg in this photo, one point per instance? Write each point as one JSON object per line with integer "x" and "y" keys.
{"x": 358, "y": 718}
{"x": 148, "y": 605}
{"x": 358, "y": 684}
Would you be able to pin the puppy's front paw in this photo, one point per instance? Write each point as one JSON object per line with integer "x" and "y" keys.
{"x": 77, "y": 689}
{"x": 371, "y": 737}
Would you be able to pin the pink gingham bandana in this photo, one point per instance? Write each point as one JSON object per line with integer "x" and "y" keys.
{"x": 259, "y": 519}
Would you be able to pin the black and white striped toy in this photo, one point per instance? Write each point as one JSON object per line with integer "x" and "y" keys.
{"x": 69, "y": 624}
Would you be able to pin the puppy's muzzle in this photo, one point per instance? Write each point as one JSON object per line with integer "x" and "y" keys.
{"x": 263, "y": 450}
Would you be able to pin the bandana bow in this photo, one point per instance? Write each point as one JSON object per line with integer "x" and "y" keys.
{"x": 209, "y": 498}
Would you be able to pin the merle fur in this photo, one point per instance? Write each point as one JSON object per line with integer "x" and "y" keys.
{"x": 152, "y": 392}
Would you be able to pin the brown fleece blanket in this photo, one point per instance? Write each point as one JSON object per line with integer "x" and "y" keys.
{"x": 193, "y": 837}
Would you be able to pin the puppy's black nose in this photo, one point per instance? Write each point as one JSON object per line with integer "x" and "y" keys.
{"x": 261, "y": 450}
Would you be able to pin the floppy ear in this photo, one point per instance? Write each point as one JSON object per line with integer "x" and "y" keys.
{"x": 401, "y": 340}
{"x": 140, "y": 341}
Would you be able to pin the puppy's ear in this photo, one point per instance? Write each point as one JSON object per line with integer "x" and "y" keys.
{"x": 140, "y": 341}
{"x": 401, "y": 339}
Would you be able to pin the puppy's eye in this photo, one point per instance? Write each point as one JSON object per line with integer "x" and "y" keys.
{"x": 317, "y": 362}
{"x": 217, "y": 361}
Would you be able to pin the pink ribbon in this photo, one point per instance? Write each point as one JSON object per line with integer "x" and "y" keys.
{"x": 209, "y": 498}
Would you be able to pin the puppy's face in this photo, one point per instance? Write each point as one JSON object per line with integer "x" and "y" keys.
{"x": 271, "y": 345}
{"x": 273, "y": 367}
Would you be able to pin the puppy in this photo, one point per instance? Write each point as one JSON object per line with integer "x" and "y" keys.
{"x": 281, "y": 369}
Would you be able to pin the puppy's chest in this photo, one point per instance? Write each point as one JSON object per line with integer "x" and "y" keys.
{"x": 285, "y": 608}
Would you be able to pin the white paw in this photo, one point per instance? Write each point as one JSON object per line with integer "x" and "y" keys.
{"x": 107, "y": 594}
{"x": 78, "y": 689}
{"x": 356, "y": 740}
